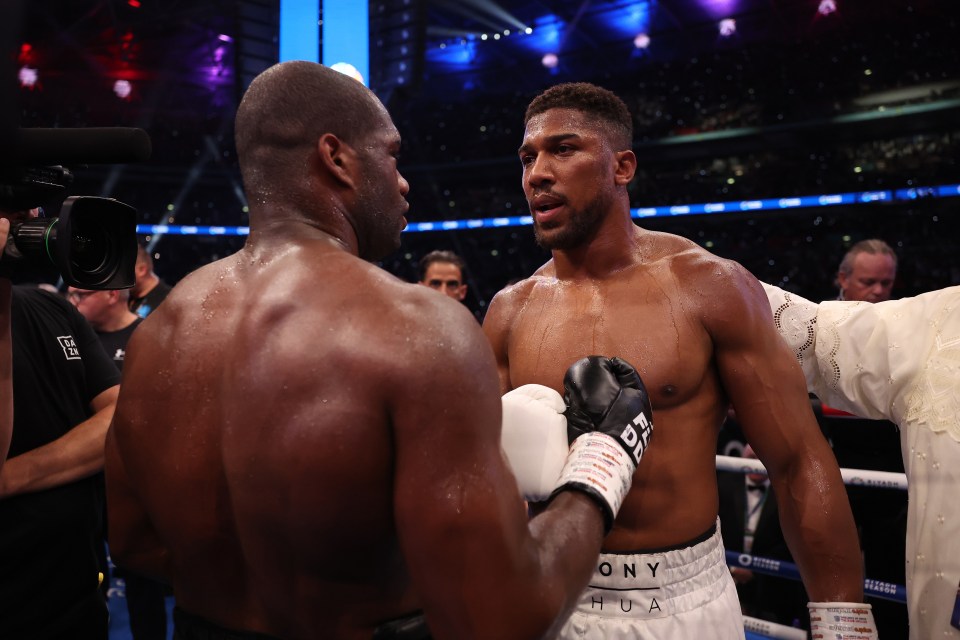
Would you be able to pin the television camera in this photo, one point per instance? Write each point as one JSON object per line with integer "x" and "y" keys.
{"x": 92, "y": 241}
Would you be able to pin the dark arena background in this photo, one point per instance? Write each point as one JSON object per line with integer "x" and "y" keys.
{"x": 734, "y": 101}
{"x": 776, "y": 133}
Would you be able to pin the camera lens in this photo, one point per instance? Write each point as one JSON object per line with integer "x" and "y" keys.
{"x": 91, "y": 249}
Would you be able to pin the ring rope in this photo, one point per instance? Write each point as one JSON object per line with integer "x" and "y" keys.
{"x": 856, "y": 477}
{"x": 772, "y": 629}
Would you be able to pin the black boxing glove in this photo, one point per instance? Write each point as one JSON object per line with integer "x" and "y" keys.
{"x": 609, "y": 424}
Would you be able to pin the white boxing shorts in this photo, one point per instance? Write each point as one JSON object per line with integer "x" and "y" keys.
{"x": 678, "y": 594}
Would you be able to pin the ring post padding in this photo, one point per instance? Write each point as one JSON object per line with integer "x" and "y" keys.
{"x": 784, "y": 569}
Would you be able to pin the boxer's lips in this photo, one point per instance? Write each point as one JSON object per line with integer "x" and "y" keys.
{"x": 545, "y": 207}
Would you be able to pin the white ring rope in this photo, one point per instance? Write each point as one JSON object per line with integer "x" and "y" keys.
{"x": 773, "y": 629}
{"x": 857, "y": 477}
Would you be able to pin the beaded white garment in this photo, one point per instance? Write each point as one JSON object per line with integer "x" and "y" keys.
{"x": 897, "y": 360}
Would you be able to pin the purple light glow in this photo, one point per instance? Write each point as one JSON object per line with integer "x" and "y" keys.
{"x": 718, "y": 8}
{"x": 28, "y": 77}
{"x": 122, "y": 88}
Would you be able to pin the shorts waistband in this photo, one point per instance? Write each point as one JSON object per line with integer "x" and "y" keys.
{"x": 657, "y": 584}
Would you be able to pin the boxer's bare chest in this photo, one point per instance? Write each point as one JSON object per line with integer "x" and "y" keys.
{"x": 646, "y": 320}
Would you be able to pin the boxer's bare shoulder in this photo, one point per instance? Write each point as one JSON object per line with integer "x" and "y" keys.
{"x": 711, "y": 287}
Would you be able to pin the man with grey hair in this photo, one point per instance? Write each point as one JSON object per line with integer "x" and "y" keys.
{"x": 867, "y": 272}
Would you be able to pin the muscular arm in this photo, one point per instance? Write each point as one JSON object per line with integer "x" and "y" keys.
{"x": 75, "y": 455}
{"x": 768, "y": 391}
{"x": 480, "y": 569}
{"x": 135, "y": 545}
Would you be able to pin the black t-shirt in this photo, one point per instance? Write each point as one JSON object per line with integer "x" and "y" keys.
{"x": 145, "y": 305}
{"x": 115, "y": 342}
{"x": 48, "y": 562}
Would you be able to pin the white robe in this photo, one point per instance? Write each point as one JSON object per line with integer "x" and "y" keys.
{"x": 900, "y": 361}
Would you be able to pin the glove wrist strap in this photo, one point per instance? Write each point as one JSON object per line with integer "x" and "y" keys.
{"x": 598, "y": 465}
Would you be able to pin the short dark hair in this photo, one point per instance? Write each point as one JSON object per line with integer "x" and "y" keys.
{"x": 441, "y": 256}
{"x": 591, "y": 99}
{"x": 873, "y": 246}
{"x": 286, "y": 109}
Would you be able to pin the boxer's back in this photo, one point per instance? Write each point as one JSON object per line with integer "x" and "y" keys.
{"x": 263, "y": 441}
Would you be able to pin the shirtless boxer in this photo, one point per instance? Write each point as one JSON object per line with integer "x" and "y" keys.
{"x": 700, "y": 332}
{"x": 297, "y": 454}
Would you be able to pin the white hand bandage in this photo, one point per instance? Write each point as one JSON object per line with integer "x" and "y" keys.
{"x": 842, "y": 620}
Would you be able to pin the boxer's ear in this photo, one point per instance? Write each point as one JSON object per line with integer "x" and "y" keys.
{"x": 626, "y": 167}
{"x": 337, "y": 158}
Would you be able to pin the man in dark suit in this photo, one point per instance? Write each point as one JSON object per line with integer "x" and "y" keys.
{"x": 750, "y": 523}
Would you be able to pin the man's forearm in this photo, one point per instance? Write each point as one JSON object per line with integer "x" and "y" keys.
{"x": 75, "y": 455}
{"x": 820, "y": 532}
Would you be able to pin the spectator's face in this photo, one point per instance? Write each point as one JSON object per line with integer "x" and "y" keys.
{"x": 92, "y": 305}
{"x": 568, "y": 177}
{"x": 446, "y": 278}
{"x": 870, "y": 280}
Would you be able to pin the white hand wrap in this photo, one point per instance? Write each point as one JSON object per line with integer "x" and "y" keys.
{"x": 599, "y": 465}
{"x": 842, "y": 620}
{"x": 534, "y": 438}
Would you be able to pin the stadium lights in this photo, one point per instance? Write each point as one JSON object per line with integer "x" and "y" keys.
{"x": 122, "y": 88}
{"x": 28, "y": 77}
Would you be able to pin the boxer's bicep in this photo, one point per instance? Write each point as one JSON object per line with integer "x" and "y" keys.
{"x": 766, "y": 386}
{"x": 762, "y": 378}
